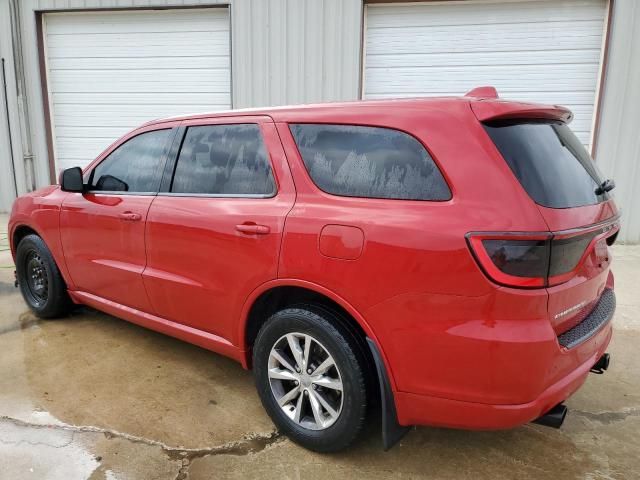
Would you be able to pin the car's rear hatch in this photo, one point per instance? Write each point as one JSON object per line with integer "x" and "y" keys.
{"x": 558, "y": 174}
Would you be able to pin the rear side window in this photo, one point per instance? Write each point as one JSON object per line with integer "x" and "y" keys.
{"x": 135, "y": 166}
{"x": 373, "y": 162}
{"x": 223, "y": 160}
{"x": 549, "y": 161}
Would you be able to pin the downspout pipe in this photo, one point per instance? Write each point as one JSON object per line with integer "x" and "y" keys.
{"x": 9, "y": 133}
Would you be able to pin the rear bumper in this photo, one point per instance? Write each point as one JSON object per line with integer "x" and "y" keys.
{"x": 416, "y": 409}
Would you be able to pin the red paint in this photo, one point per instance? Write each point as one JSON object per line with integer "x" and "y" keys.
{"x": 105, "y": 251}
{"x": 460, "y": 349}
{"x": 341, "y": 241}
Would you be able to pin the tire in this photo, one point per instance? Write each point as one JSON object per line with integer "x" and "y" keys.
{"x": 41, "y": 284}
{"x": 316, "y": 414}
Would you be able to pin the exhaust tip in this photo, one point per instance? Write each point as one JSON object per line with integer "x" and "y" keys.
{"x": 554, "y": 418}
{"x": 602, "y": 364}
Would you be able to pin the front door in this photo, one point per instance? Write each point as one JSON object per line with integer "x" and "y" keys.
{"x": 214, "y": 235}
{"x": 102, "y": 229}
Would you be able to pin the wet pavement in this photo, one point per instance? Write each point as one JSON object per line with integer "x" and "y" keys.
{"x": 91, "y": 396}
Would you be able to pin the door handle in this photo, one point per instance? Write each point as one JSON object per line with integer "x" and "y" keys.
{"x": 130, "y": 216}
{"x": 253, "y": 229}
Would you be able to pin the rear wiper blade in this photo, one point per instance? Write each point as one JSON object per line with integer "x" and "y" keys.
{"x": 605, "y": 187}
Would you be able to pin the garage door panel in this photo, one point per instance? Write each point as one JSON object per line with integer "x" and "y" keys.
{"x": 77, "y": 147}
{"x": 539, "y": 51}
{"x": 195, "y": 50}
{"x": 81, "y": 131}
{"x": 109, "y": 72}
{"x": 499, "y": 13}
{"x": 86, "y": 113}
{"x": 194, "y": 80}
{"x": 516, "y": 57}
{"x": 480, "y": 38}
{"x": 136, "y": 63}
{"x": 135, "y": 40}
{"x": 143, "y": 98}
{"x": 116, "y": 22}
{"x": 461, "y": 79}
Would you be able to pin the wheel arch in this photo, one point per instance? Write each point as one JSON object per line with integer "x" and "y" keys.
{"x": 272, "y": 296}
{"x": 21, "y": 229}
{"x": 277, "y": 294}
{"x": 19, "y": 232}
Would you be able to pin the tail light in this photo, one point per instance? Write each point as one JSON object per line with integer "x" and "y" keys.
{"x": 532, "y": 260}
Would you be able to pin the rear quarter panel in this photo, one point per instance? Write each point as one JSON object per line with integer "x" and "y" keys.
{"x": 434, "y": 313}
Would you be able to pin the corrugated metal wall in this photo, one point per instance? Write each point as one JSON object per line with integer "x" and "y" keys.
{"x": 7, "y": 189}
{"x": 618, "y": 147}
{"x": 295, "y": 51}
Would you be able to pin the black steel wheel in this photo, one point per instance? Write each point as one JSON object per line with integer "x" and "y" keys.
{"x": 37, "y": 282}
{"x": 40, "y": 281}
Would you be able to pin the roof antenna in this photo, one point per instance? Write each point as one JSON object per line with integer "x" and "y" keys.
{"x": 483, "y": 92}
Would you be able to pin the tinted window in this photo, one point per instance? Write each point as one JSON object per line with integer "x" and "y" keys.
{"x": 370, "y": 162}
{"x": 223, "y": 159}
{"x": 549, "y": 161}
{"x": 135, "y": 166}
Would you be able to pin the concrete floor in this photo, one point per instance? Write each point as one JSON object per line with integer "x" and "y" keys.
{"x": 92, "y": 396}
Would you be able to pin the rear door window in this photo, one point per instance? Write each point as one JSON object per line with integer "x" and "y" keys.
{"x": 549, "y": 161}
{"x": 224, "y": 160}
{"x": 373, "y": 162}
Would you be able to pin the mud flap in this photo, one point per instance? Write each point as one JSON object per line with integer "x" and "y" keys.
{"x": 392, "y": 431}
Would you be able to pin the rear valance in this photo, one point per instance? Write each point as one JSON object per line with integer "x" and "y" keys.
{"x": 502, "y": 110}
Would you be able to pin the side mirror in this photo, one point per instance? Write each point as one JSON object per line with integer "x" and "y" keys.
{"x": 71, "y": 180}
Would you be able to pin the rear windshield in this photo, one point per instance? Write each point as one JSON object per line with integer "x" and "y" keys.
{"x": 549, "y": 161}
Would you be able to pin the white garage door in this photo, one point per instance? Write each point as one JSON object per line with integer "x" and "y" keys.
{"x": 541, "y": 51}
{"x": 108, "y": 72}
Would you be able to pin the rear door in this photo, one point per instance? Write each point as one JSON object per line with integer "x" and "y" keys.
{"x": 559, "y": 175}
{"x": 214, "y": 231}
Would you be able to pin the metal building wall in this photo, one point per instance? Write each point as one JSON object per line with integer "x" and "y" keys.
{"x": 7, "y": 189}
{"x": 11, "y": 144}
{"x": 295, "y": 51}
{"x": 618, "y": 148}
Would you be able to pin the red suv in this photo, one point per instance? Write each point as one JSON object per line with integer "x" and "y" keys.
{"x": 445, "y": 259}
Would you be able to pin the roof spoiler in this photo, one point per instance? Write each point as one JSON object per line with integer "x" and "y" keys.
{"x": 482, "y": 92}
{"x": 486, "y": 111}
{"x": 504, "y": 109}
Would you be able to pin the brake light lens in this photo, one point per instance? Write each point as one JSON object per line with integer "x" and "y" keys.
{"x": 534, "y": 260}
{"x": 512, "y": 260}
{"x": 524, "y": 259}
